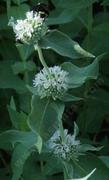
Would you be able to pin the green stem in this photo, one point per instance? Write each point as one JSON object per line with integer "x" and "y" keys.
{"x": 42, "y": 166}
{"x": 65, "y": 169}
{"x": 24, "y": 61}
{"x": 90, "y": 22}
{"x": 68, "y": 171}
{"x": 66, "y": 176}
{"x": 61, "y": 130}
{"x": 77, "y": 165}
{"x": 26, "y": 77}
{"x": 42, "y": 60}
{"x": 8, "y": 5}
{"x": 105, "y": 9}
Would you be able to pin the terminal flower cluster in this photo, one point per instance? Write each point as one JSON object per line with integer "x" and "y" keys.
{"x": 67, "y": 149}
{"x": 30, "y": 29}
{"x": 51, "y": 85}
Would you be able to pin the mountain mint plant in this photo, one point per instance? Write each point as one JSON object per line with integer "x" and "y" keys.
{"x": 52, "y": 90}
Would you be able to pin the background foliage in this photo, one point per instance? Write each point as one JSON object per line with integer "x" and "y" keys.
{"x": 85, "y": 21}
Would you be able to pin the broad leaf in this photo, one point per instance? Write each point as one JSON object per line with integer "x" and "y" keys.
{"x": 18, "y": 12}
{"x": 86, "y": 177}
{"x": 78, "y": 76}
{"x": 8, "y": 79}
{"x": 63, "y": 45}
{"x": 21, "y": 67}
{"x": 89, "y": 162}
{"x": 24, "y": 50}
{"x": 45, "y": 116}
{"x": 19, "y": 120}
{"x": 11, "y": 137}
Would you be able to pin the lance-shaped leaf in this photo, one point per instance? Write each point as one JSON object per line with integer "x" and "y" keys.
{"x": 78, "y": 76}
{"x": 63, "y": 45}
{"x": 45, "y": 116}
{"x": 8, "y": 79}
{"x": 9, "y": 138}
{"x": 18, "y": 119}
{"x": 88, "y": 162}
{"x": 86, "y": 177}
{"x": 24, "y": 143}
{"x": 68, "y": 97}
{"x": 19, "y": 156}
{"x": 88, "y": 147}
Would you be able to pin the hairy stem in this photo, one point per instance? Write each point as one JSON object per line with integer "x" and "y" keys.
{"x": 40, "y": 54}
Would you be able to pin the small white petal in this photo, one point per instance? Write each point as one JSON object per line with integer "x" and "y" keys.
{"x": 32, "y": 28}
{"x": 55, "y": 86}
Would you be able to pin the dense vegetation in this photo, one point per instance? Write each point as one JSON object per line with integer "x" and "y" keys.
{"x": 78, "y": 42}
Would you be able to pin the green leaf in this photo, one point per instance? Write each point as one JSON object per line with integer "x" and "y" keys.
{"x": 76, "y": 4}
{"x": 8, "y": 50}
{"x": 12, "y": 104}
{"x": 68, "y": 97}
{"x": 105, "y": 2}
{"x": 52, "y": 166}
{"x": 32, "y": 90}
{"x": 24, "y": 50}
{"x": 66, "y": 11}
{"x": 18, "y": 2}
{"x": 3, "y": 174}
{"x": 11, "y": 137}
{"x": 45, "y": 116}
{"x": 105, "y": 160}
{"x": 18, "y": 12}
{"x": 86, "y": 177}
{"x": 89, "y": 162}
{"x": 32, "y": 170}
{"x": 63, "y": 45}
{"x": 19, "y": 120}
{"x": 88, "y": 147}
{"x": 78, "y": 76}
{"x": 93, "y": 112}
{"x": 8, "y": 79}
{"x": 20, "y": 155}
{"x": 62, "y": 16}
{"x": 103, "y": 27}
{"x": 3, "y": 21}
{"x": 21, "y": 67}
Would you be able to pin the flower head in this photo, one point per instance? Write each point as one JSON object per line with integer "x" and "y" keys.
{"x": 67, "y": 149}
{"x": 29, "y": 30}
{"x": 54, "y": 85}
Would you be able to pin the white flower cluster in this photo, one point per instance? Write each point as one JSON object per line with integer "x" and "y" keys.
{"x": 67, "y": 150}
{"x": 54, "y": 85}
{"x": 29, "y": 30}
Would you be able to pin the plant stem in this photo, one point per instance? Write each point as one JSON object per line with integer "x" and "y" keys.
{"x": 26, "y": 77}
{"x": 90, "y": 22}
{"x": 42, "y": 60}
{"x": 65, "y": 168}
{"x": 61, "y": 131}
{"x": 41, "y": 165}
{"x": 8, "y": 5}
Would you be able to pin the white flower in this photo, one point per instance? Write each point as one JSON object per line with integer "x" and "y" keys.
{"x": 67, "y": 149}
{"x": 54, "y": 85}
{"x": 29, "y": 30}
